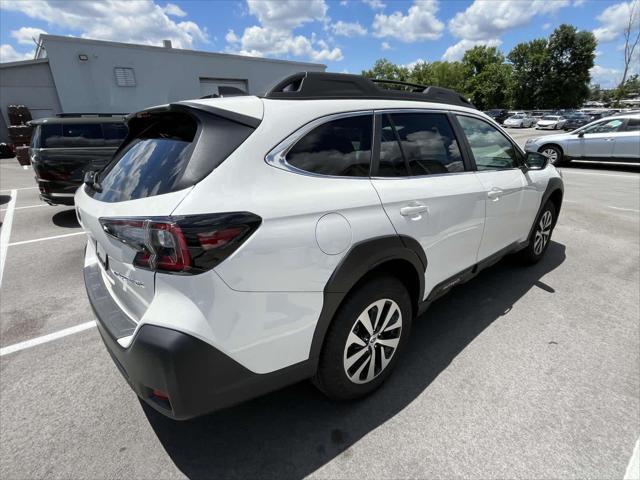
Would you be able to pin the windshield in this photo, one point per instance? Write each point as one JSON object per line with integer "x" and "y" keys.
{"x": 549, "y": 117}
{"x": 518, "y": 116}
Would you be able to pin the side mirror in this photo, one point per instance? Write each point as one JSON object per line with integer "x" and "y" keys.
{"x": 536, "y": 161}
{"x": 88, "y": 177}
{"x": 580, "y": 134}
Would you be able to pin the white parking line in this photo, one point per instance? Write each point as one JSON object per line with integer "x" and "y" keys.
{"x": 625, "y": 209}
{"x": 27, "y": 206}
{"x": 45, "y": 238}
{"x": 633, "y": 468}
{"x": 579, "y": 172}
{"x": 6, "y": 231}
{"x": 16, "y": 347}
{"x": 13, "y": 189}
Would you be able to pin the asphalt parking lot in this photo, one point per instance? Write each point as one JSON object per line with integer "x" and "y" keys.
{"x": 521, "y": 373}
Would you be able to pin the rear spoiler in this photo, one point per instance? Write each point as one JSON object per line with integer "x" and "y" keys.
{"x": 186, "y": 105}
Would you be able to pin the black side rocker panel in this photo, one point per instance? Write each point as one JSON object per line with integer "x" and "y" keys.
{"x": 361, "y": 259}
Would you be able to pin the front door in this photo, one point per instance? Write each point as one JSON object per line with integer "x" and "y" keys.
{"x": 511, "y": 198}
{"x": 427, "y": 192}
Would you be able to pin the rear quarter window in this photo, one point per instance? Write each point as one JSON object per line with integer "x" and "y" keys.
{"x": 162, "y": 157}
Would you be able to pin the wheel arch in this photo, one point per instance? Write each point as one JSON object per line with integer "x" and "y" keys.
{"x": 554, "y": 192}
{"x": 396, "y": 255}
{"x": 551, "y": 144}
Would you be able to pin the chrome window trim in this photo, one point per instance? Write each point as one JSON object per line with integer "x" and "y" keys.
{"x": 277, "y": 157}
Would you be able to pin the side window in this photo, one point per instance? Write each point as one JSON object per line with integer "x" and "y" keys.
{"x": 415, "y": 144}
{"x": 114, "y": 133}
{"x": 608, "y": 126}
{"x": 633, "y": 125}
{"x": 339, "y": 147}
{"x": 83, "y": 135}
{"x": 491, "y": 149}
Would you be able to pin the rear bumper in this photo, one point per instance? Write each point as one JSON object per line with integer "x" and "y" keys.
{"x": 196, "y": 377}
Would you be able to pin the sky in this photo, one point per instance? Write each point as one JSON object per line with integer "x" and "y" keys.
{"x": 346, "y": 35}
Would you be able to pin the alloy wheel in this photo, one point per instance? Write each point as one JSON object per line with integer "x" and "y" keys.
{"x": 372, "y": 341}
{"x": 551, "y": 154}
{"x": 543, "y": 233}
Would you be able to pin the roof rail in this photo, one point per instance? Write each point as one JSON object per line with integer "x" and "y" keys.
{"x": 89, "y": 114}
{"x": 322, "y": 85}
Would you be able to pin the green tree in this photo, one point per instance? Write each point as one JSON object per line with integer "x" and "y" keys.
{"x": 384, "y": 69}
{"x": 570, "y": 55}
{"x": 441, "y": 74}
{"x": 488, "y": 78}
{"x": 530, "y": 67}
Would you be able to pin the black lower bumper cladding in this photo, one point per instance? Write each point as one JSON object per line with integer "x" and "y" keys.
{"x": 197, "y": 377}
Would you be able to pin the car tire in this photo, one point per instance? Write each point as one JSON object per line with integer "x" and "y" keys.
{"x": 344, "y": 369}
{"x": 555, "y": 154}
{"x": 541, "y": 235}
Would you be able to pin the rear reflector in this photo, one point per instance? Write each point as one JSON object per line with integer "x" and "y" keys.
{"x": 160, "y": 395}
{"x": 186, "y": 244}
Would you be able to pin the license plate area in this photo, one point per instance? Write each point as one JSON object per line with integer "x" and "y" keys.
{"x": 102, "y": 256}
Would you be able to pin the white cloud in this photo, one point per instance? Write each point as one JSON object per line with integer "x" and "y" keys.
{"x": 614, "y": 19}
{"x": 605, "y": 77}
{"x": 420, "y": 23}
{"x": 375, "y": 4}
{"x": 346, "y": 29}
{"x": 174, "y": 10}
{"x": 485, "y": 19}
{"x": 578, "y": 3}
{"x": 142, "y": 21}
{"x": 287, "y": 14}
{"x": 412, "y": 65}
{"x": 546, "y": 26}
{"x": 260, "y": 41}
{"x": 386, "y": 46}
{"x": 456, "y": 52}
{"x": 26, "y": 35}
{"x": 274, "y": 36}
{"x": 9, "y": 54}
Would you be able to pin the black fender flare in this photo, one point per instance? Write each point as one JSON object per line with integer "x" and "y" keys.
{"x": 361, "y": 259}
{"x": 555, "y": 184}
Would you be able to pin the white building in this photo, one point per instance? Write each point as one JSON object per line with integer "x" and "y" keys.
{"x": 76, "y": 75}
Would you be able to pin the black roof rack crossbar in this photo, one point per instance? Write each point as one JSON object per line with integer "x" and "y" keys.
{"x": 415, "y": 86}
{"x": 322, "y": 85}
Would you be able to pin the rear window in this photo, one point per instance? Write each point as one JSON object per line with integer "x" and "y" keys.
{"x": 160, "y": 157}
{"x": 79, "y": 135}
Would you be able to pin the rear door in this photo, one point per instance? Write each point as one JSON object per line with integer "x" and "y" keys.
{"x": 427, "y": 191}
{"x": 512, "y": 199}
{"x": 627, "y": 142}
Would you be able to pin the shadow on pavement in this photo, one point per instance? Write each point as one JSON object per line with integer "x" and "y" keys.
{"x": 293, "y": 432}
{"x": 66, "y": 219}
{"x": 603, "y": 166}
{"x": 5, "y": 199}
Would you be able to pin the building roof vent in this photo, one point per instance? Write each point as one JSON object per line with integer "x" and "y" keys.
{"x": 166, "y": 43}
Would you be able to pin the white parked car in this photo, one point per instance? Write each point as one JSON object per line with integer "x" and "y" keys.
{"x": 608, "y": 139}
{"x": 240, "y": 244}
{"x": 520, "y": 120}
{"x": 551, "y": 122}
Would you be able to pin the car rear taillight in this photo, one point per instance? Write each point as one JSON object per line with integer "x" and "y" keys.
{"x": 183, "y": 244}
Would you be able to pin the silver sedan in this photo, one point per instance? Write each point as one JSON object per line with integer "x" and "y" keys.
{"x": 608, "y": 139}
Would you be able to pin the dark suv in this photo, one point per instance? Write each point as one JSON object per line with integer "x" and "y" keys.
{"x": 64, "y": 148}
{"x": 498, "y": 115}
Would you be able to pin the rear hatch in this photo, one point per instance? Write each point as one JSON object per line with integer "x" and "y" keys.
{"x": 126, "y": 209}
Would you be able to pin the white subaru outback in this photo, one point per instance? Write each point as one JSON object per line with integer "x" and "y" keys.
{"x": 240, "y": 244}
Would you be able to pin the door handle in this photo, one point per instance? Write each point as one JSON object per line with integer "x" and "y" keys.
{"x": 413, "y": 209}
{"x": 494, "y": 194}
{"x": 609, "y": 139}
